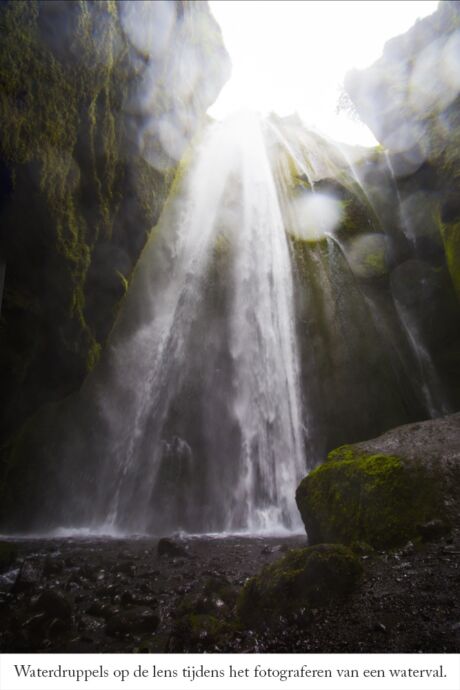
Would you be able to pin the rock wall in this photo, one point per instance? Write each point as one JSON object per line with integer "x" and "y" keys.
{"x": 410, "y": 99}
{"x": 98, "y": 102}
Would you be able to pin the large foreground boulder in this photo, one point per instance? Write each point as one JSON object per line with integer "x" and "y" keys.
{"x": 309, "y": 577}
{"x": 384, "y": 490}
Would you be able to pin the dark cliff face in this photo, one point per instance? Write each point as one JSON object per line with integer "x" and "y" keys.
{"x": 410, "y": 99}
{"x": 98, "y": 102}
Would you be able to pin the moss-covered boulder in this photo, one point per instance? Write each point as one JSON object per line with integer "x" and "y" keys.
{"x": 309, "y": 577}
{"x": 380, "y": 491}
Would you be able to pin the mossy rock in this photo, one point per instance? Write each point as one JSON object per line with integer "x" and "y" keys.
{"x": 309, "y": 577}
{"x": 361, "y": 494}
{"x": 8, "y": 554}
{"x": 197, "y": 630}
{"x": 451, "y": 238}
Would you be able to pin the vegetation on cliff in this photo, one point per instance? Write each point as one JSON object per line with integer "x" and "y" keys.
{"x": 80, "y": 187}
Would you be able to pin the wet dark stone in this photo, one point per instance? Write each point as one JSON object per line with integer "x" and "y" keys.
{"x": 53, "y": 604}
{"x": 8, "y": 555}
{"x": 53, "y": 566}
{"x": 132, "y": 622}
{"x": 126, "y": 598}
{"x": 58, "y": 627}
{"x": 279, "y": 548}
{"x": 30, "y": 576}
{"x": 87, "y": 571}
{"x": 35, "y": 626}
{"x": 433, "y": 530}
{"x": 170, "y": 547}
{"x": 96, "y": 609}
{"x": 410, "y": 591}
{"x": 127, "y": 568}
{"x": 380, "y": 627}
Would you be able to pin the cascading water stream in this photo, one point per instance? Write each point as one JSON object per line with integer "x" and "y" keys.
{"x": 264, "y": 347}
{"x": 230, "y": 372}
{"x": 431, "y": 388}
{"x": 243, "y": 477}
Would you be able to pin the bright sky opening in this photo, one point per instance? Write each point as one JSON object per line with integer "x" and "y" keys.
{"x": 292, "y": 55}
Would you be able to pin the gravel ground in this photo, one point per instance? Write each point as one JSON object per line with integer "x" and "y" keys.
{"x": 121, "y": 595}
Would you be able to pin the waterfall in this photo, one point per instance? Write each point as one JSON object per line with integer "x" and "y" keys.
{"x": 199, "y": 396}
{"x": 259, "y": 331}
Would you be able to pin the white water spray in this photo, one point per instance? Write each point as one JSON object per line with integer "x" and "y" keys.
{"x": 242, "y": 472}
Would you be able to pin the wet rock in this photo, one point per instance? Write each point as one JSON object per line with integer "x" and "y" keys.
{"x": 87, "y": 571}
{"x": 53, "y": 566}
{"x": 217, "y": 598}
{"x": 362, "y": 549}
{"x": 89, "y": 623}
{"x": 135, "y": 621}
{"x": 58, "y": 627}
{"x": 307, "y": 577}
{"x": 53, "y": 605}
{"x": 8, "y": 555}
{"x": 221, "y": 592}
{"x": 30, "y": 576}
{"x": 35, "y": 626}
{"x": 8, "y": 579}
{"x": 125, "y": 598}
{"x": 198, "y": 631}
{"x": 379, "y": 491}
{"x": 171, "y": 547}
{"x": 433, "y": 530}
{"x": 279, "y": 548}
{"x": 127, "y": 568}
{"x": 100, "y": 610}
{"x": 380, "y": 627}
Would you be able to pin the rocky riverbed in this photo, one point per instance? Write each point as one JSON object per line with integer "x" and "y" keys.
{"x": 142, "y": 595}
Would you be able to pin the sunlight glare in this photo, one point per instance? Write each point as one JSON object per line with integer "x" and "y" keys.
{"x": 292, "y": 56}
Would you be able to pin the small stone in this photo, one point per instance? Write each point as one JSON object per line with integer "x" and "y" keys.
{"x": 52, "y": 566}
{"x": 30, "y": 576}
{"x": 8, "y": 579}
{"x": 132, "y": 622}
{"x": 169, "y": 547}
{"x": 433, "y": 530}
{"x": 126, "y": 598}
{"x": 53, "y": 605}
{"x": 127, "y": 568}
{"x": 35, "y": 626}
{"x": 8, "y": 554}
{"x": 58, "y": 627}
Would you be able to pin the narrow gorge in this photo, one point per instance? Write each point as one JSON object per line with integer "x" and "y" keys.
{"x": 230, "y": 350}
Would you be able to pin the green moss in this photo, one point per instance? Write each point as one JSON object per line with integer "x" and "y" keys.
{"x": 378, "y": 499}
{"x": 60, "y": 136}
{"x": 49, "y": 103}
{"x": 94, "y": 354}
{"x": 375, "y": 263}
{"x": 200, "y": 631}
{"x": 308, "y": 577}
{"x": 345, "y": 452}
{"x": 357, "y": 218}
{"x": 451, "y": 238}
